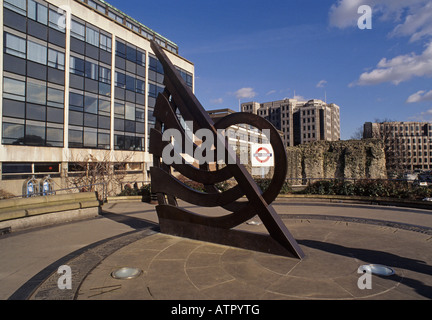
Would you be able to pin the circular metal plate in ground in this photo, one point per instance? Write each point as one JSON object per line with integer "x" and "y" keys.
{"x": 378, "y": 269}
{"x": 126, "y": 273}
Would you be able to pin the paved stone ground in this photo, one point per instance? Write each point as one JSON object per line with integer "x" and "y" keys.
{"x": 182, "y": 269}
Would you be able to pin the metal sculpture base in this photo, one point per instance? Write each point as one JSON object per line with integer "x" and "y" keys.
{"x": 171, "y": 221}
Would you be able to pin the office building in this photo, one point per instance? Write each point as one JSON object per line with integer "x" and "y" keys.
{"x": 300, "y": 121}
{"x": 408, "y": 145}
{"x": 79, "y": 81}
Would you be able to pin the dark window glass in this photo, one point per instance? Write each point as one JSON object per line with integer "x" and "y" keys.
{"x": 35, "y": 112}
{"x": 76, "y": 82}
{"x": 90, "y": 120}
{"x": 77, "y": 66}
{"x": 118, "y": 124}
{"x": 75, "y": 138}
{"x": 131, "y": 53}
{"x": 76, "y": 101}
{"x": 130, "y": 83}
{"x": 14, "y": 64}
{"x": 140, "y": 86}
{"x": 120, "y": 79}
{"x": 13, "y": 108}
{"x": 36, "y": 92}
{"x": 16, "y": 167}
{"x": 55, "y": 115}
{"x": 35, "y": 134}
{"x": 76, "y": 118}
{"x": 56, "y": 76}
{"x": 103, "y": 141}
{"x": 14, "y": 20}
{"x": 129, "y": 126}
{"x": 104, "y": 107}
{"x": 13, "y": 133}
{"x": 77, "y": 46}
{"x": 37, "y": 30}
{"x": 104, "y": 122}
{"x": 46, "y": 167}
{"x": 90, "y": 104}
{"x": 36, "y": 70}
{"x": 140, "y": 60}
{"x": 56, "y": 37}
{"x": 91, "y": 70}
{"x": 120, "y": 49}
{"x": 104, "y": 89}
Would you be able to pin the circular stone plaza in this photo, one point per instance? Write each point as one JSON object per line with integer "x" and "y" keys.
{"x": 338, "y": 238}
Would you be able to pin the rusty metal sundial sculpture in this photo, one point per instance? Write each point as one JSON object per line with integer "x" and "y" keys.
{"x": 177, "y": 97}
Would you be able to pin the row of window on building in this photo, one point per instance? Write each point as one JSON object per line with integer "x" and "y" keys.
{"x": 34, "y": 76}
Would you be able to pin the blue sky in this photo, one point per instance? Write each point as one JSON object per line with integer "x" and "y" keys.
{"x": 249, "y": 50}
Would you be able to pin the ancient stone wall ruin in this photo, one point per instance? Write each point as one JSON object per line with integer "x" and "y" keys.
{"x": 350, "y": 159}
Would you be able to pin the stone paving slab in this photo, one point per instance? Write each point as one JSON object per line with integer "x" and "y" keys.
{"x": 182, "y": 269}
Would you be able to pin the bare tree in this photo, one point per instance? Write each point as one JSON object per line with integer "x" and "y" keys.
{"x": 103, "y": 174}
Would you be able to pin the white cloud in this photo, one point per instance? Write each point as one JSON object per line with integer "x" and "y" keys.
{"x": 412, "y": 18}
{"x": 400, "y": 68}
{"x": 217, "y": 101}
{"x": 270, "y": 92}
{"x": 420, "y": 96}
{"x": 300, "y": 98}
{"x": 245, "y": 93}
{"x": 321, "y": 84}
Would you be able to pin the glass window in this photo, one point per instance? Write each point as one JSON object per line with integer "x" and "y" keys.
{"x": 90, "y": 104}
{"x": 140, "y": 86}
{"x": 77, "y": 66}
{"x": 130, "y": 112}
{"x": 120, "y": 79}
{"x": 13, "y": 89}
{"x": 103, "y": 140}
{"x": 55, "y": 115}
{"x": 38, "y": 12}
{"x": 105, "y": 42}
{"x": 104, "y": 107}
{"x": 92, "y": 36}
{"x": 140, "y": 59}
{"x": 36, "y": 91}
{"x": 76, "y": 118}
{"x": 119, "y": 109}
{"x": 35, "y": 112}
{"x": 130, "y": 83}
{"x": 105, "y": 74}
{"x": 13, "y": 133}
{"x": 75, "y": 138}
{"x": 104, "y": 122}
{"x": 55, "y": 98}
{"x": 90, "y": 138}
{"x": 57, "y": 20}
{"x": 76, "y": 101}
{"x": 91, "y": 70}
{"x": 77, "y": 30}
{"x": 131, "y": 53}
{"x": 35, "y": 134}
{"x": 36, "y": 52}
{"x": 18, "y": 6}
{"x": 120, "y": 49}
{"x": 15, "y": 45}
{"x": 56, "y": 59}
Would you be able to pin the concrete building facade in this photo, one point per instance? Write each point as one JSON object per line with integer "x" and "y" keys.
{"x": 79, "y": 80}
{"x": 300, "y": 121}
{"x": 408, "y": 145}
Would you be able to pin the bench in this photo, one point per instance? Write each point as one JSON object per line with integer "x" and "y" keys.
{"x": 20, "y": 213}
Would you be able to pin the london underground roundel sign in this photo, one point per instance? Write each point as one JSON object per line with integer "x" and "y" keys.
{"x": 262, "y": 155}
